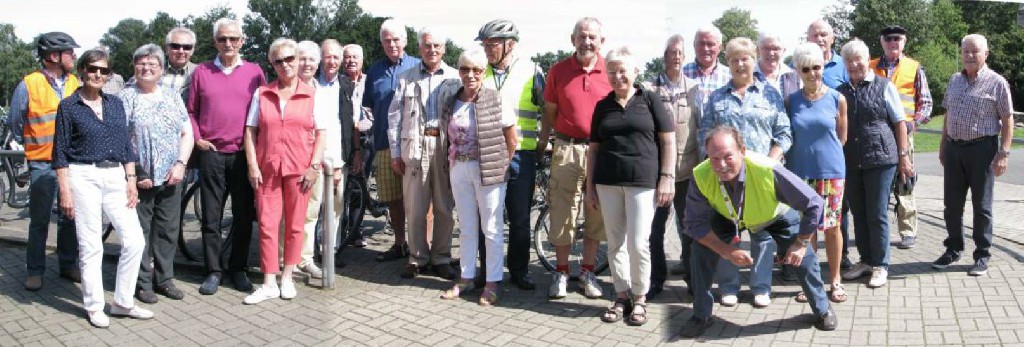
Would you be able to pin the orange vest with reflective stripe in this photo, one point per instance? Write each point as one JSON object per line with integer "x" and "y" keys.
{"x": 40, "y": 119}
{"x": 903, "y": 77}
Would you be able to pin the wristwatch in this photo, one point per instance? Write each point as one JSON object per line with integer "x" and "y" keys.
{"x": 803, "y": 242}
{"x": 904, "y": 153}
{"x": 1005, "y": 154}
{"x": 315, "y": 166}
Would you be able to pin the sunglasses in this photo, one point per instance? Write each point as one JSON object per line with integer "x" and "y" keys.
{"x": 180, "y": 46}
{"x": 474, "y": 70}
{"x": 893, "y": 38}
{"x": 807, "y": 69}
{"x": 225, "y": 39}
{"x": 286, "y": 60}
{"x": 94, "y": 69}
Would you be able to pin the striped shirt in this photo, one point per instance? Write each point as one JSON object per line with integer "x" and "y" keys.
{"x": 707, "y": 83}
{"x": 974, "y": 108}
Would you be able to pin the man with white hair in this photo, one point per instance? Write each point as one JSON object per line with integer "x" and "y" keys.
{"x": 418, "y": 156}
{"x": 218, "y": 103}
{"x": 822, "y": 34}
{"x": 770, "y": 68}
{"x": 908, "y": 76}
{"x": 179, "y": 45}
{"x": 975, "y": 149}
{"x": 381, "y": 83}
{"x": 705, "y": 69}
{"x": 352, "y": 70}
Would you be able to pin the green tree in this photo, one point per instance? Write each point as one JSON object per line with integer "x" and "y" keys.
{"x": 736, "y": 22}
{"x": 122, "y": 40}
{"x": 839, "y": 16}
{"x": 17, "y": 60}
{"x": 653, "y": 68}
{"x": 997, "y": 22}
{"x": 271, "y": 19}
{"x": 545, "y": 60}
{"x": 451, "y": 50}
{"x": 203, "y": 27}
{"x": 870, "y": 16}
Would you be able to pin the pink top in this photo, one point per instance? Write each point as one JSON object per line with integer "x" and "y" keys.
{"x": 218, "y": 103}
{"x": 284, "y": 144}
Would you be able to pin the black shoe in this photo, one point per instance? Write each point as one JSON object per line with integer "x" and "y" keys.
{"x": 146, "y": 296}
{"x": 73, "y": 275}
{"x": 788, "y": 273}
{"x": 522, "y": 280}
{"x": 845, "y": 264}
{"x": 241, "y": 281}
{"x": 411, "y": 271}
{"x": 209, "y": 286}
{"x": 980, "y": 267}
{"x": 654, "y": 292}
{"x": 170, "y": 291}
{"x": 444, "y": 271}
{"x": 947, "y": 259}
{"x": 394, "y": 253}
{"x": 695, "y": 327}
{"x": 828, "y": 321}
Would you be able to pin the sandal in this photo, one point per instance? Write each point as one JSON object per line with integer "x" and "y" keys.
{"x": 615, "y": 312}
{"x": 838, "y": 293}
{"x": 638, "y": 319}
{"x": 490, "y": 296}
{"x": 456, "y": 290}
{"x": 801, "y": 297}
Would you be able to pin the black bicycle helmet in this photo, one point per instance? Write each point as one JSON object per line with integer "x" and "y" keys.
{"x": 498, "y": 28}
{"x": 54, "y": 42}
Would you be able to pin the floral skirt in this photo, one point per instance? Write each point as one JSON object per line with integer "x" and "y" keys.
{"x": 832, "y": 190}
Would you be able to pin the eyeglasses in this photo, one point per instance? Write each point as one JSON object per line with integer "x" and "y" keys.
{"x": 94, "y": 69}
{"x": 474, "y": 70}
{"x": 893, "y": 38}
{"x": 225, "y": 39}
{"x": 286, "y": 60}
{"x": 807, "y": 69}
{"x": 147, "y": 65}
{"x": 491, "y": 44}
{"x": 183, "y": 46}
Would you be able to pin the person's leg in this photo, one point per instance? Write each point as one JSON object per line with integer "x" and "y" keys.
{"x": 389, "y": 190}
{"x": 492, "y": 222}
{"x": 444, "y": 221}
{"x": 877, "y": 187}
{"x": 856, "y": 196}
{"x": 242, "y": 211}
{"x": 727, "y": 274}
{"x": 982, "y": 182}
{"x": 639, "y": 208}
{"x": 955, "y": 182}
{"x": 67, "y": 242}
{"x": 166, "y": 229}
{"x": 269, "y": 197}
{"x": 296, "y": 204}
{"x": 312, "y": 217}
{"x": 416, "y": 197}
{"x": 518, "y": 201}
{"x": 145, "y": 211}
{"x": 43, "y": 185}
{"x": 705, "y": 262}
{"x": 613, "y": 204}
{"x": 762, "y": 249}
{"x": 659, "y": 268}
{"x": 339, "y": 212}
{"x": 679, "y": 202}
{"x": 126, "y": 224}
{"x": 785, "y": 232}
{"x": 464, "y": 194}
{"x": 212, "y": 195}
{"x": 89, "y": 223}
{"x": 593, "y": 224}
{"x": 562, "y": 198}
{"x": 906, "y": 205}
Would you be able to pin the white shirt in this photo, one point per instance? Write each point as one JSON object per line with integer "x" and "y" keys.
{"x": 227, "y": 69}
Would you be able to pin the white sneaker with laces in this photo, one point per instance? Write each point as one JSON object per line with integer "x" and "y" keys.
{"x": 762, "y": 300}
{"x": 288, "y": 291}
{"x": 263, "y": 293}
{"x": 134, "y": 312}
{"x": 559, "y": 282}
{"x": 311, "y": 269}
{"x": 729, "y": 300}
{"x": 857, "y": 271}
{"x": 879, "y": 276}
{"x": 99, "y": 319}
{"x": 591, "y": 289}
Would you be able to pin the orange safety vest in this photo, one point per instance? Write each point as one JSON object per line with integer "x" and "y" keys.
{"x": 42, "y": 114}
{"x": 903, "y": 77}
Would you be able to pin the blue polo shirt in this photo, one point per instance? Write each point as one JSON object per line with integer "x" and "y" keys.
{"x": 381, "y": 81}
{"x": 835, "y": 74}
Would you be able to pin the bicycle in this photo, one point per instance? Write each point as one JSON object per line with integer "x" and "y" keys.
{"x": 14, "y": 188}
{"x": 544, "y": 250}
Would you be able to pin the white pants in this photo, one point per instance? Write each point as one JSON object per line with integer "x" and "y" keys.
{"x": 313, "y": 214}
{"x": 628, "y": 212}
{"x": 98, "y": 192}
{"x": 479, "y": 207}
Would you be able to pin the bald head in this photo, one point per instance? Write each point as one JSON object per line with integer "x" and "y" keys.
{"x": 822, "y": 34}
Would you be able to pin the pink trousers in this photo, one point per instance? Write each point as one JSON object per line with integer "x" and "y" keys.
{"x": 280, "y": 194}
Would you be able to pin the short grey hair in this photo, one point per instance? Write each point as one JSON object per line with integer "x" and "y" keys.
{"x": 674, "y": 39}
{"x": 764, "y": 36}
{"x": 278, "y": 44}
{"x": 181, "y": 30}
{"x": 331, "y": 45}
{"x": 807, "y": 54}
{"x": 740, "y": 45}
{"x": 223, "y": 22}
{"x": 473, "y": 58}
{"x": 976, "y": 38}
{"x": 622, "y": 55}
{"x": 727, "y": 129}
{"x": 149, "y": 50}
{"x": 394, "y": 27}
{"x": 587, "y": 21}
{"x": 855, "y": 48}
{"x": 823, "y": 23}
{"x": 308, "y": 48}
{"x": 355, "y": 48}
{"x": 710, "y": 30}
{"x": 434, "y": 34}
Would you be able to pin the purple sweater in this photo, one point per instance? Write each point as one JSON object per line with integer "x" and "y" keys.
{"x": 218, "y": 103}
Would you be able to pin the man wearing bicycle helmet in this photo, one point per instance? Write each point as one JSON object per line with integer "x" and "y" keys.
{"x": 32, "y": 121}
{"x": 520, "y": 83}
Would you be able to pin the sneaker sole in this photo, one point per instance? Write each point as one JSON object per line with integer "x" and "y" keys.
{"x": 940, "y": 267}
{"x": 977, "y": 273}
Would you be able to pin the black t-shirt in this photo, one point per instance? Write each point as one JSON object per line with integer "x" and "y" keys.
{"x": 627, "y": 139}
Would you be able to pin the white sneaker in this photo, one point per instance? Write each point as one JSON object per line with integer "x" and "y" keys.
{"x": 559, "y": 282}
{"x": 263, "y": 293}
{"x": 591, "y": 289}
{"x": 134, "y": 312}
{"x": 99, "y": 319}
{"x": 311, "y": 269}
{"x": 729, "y": 300}
{"x": 879, "y": 276}
{"x": 288, "y": 291}
{"x": 857, "y": 271}
{"x": 762, "y": 300}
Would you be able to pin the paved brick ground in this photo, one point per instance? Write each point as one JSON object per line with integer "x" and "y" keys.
{"x": 373, "y": 306}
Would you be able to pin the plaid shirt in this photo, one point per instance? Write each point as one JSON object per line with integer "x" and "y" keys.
{"x": 922, "y": 99}
{"x": 974, "y": 108}
{"x": 718, "y": 78}
{"x": 178, "y": 79}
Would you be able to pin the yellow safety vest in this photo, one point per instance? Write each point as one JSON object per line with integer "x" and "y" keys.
{"x": 760, "y": 205}
{"x": 903, "y": 77}
{"x": 517, "y": 91}
{"x": 41, "y": 116}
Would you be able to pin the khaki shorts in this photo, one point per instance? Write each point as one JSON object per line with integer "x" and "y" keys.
{"x": 389, "y": 185}
{"x": 565, "y": 190}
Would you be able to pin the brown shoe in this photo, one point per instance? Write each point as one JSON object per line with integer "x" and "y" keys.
{"x": 33, "y": 283}
{"x": 411, "y": 271}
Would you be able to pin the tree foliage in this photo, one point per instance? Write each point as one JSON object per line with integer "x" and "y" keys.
{"x": 838, "y": 15}
{"x": 545, "y": 60}
{"x": 736, "y": 22}
{"x": 652, "y": 69}
{"x": 17, "y": 60}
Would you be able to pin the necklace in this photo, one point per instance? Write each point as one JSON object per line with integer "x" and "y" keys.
{"x": 813, "y": 95}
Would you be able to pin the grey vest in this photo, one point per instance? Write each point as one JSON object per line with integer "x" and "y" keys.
{"x": 490, "y": 137}
{"x": 871, "y": 136}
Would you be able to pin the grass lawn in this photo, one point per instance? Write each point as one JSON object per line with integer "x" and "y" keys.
{"x": 930, "y": 142}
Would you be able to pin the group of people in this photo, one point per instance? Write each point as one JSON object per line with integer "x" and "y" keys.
{"x": 750, "y": 145}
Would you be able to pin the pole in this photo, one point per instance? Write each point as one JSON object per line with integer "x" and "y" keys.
{"x": 329, "y": 229}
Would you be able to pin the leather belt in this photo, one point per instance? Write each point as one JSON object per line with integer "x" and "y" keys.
{"x": 463, "y": 157}
{"x": 573, "y": 140}
{"x": 971, "y": 141}
{"x": 431, "y": 131}
{"x": 105, "y": 164}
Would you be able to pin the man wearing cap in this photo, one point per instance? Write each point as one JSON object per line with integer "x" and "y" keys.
{"x": 908, "y": 76}
{"x": 32, "y": 121}
{"x": 521, "y": 85}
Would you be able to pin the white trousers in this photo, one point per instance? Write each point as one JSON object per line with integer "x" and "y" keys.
{"x": 316, "y": 201}
{"x": 479, "y": 207}
{"x": 98, "y": 192}
{"x": 628, "y": 212}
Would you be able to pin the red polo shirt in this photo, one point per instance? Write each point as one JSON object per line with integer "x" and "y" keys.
{"x": 576, "y": 91}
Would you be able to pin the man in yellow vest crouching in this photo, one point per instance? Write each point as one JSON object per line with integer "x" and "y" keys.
{"x": 32, "y": 121}
{"x": 758, "y": 194}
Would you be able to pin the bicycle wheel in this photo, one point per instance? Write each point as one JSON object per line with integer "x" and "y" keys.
{"x": 356, "y": 199}
{"x": 546, "y": 251}
{"x": 188, "y": 195}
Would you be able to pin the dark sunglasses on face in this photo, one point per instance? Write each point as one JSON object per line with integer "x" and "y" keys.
{"x": 467, "y": 70}
{"x": 180, "y": 46}
{"x": 892, "y": 38}
{"x": 286, "y": 60}
{"x": 225, "y": 39}
{"x": 807, "y": 69}
{"x": 94, "y": 69}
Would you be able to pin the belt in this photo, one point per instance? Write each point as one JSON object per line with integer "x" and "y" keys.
{"x": 431, "y": 131}
{"x": 574, "y": 140}
{"x": 101, "y": 164}
{"x": 463, "y": 157}
{"x": 971, "y": 141}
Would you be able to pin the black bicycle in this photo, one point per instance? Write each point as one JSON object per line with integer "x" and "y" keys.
{"x": 15, "y": 183}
